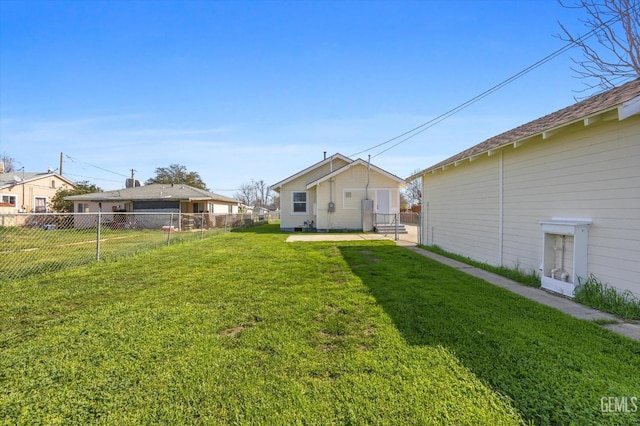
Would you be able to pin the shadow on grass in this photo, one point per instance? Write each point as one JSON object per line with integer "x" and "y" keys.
{"x": 556, "y": 369}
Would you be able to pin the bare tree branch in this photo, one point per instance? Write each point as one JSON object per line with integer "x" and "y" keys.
{"x": 614, "y": 55}
{"x": 256, "y": 193}
{"x": 8, "y": 163}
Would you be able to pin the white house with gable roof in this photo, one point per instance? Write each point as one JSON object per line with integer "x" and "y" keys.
{"x": 559, "y": 195}
{"x": 329, "y": 196}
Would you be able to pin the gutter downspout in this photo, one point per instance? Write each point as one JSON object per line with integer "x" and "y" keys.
{"x": 366, "y": 190}
{"x": 501, "y": 208}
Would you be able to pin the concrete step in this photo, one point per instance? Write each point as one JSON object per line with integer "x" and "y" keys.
{"x": 390, "y": 229}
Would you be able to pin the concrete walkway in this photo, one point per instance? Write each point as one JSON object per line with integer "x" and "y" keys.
{"x": 631, "y": 330}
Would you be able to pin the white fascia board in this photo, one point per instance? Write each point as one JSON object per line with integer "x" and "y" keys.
{"x": 593, "y": 119}
{"x": 276, "y": 186}
{"x": 629, "y": 108}
{"x": 359, "y": 161}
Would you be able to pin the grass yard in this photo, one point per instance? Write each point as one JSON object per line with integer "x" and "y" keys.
{"x": 25, "y": 252}
{"x": 244, "y": 328}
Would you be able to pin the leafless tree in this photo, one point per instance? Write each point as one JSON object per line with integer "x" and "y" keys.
{"x": 256, "y": 193}
{"x": 613, "y": 56}
{"x": 245, "y": 194}
{"x": 8, "y": 163}
{"x": 413, "y": 192}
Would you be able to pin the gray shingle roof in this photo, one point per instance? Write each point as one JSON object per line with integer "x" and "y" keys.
{"x": 9, "y": 179}
{"x": 581, "y": 110}
{"x": 153, "y": 192}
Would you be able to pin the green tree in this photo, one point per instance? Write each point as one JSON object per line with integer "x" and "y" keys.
{"x": 58, "y": 203}
{"x": 177, "y": 173}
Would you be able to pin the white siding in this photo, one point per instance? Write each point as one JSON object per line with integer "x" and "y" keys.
{"x": 461, "y": 209}
{"x": 582, "y": 172}
{"x": 290, "y": 220}
{"x": 588, "y": 172}
{"x": 348, "y": 214}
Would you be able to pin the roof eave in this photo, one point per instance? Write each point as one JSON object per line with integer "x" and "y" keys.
{"x": 623, "y": 111}
{"x": 278, "y": 185}
{"x": 359, "y": 161}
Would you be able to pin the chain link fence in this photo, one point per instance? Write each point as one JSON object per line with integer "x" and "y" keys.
{"x": 40, "y": 243}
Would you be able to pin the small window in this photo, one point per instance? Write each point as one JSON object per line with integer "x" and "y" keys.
{"x": 81, "y": 207}
{"x": 299, "y": 202}
{"x": 41, "y": 205}
{"x": 53, "y": 184}
{"x": 9, "y": 199}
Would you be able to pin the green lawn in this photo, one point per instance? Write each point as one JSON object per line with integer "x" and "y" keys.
{"x": 25, "y": 252}
{"x": 246, "y": 329}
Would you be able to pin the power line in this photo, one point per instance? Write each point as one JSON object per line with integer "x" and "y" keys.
{"x": 75, "y": 160}
{"x": 427, "y": 125}
{"x": 92, "y": 177}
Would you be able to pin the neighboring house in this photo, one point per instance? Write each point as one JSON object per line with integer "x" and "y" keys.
{"x": 23, "y": 192}
{"x": 329, "y": 196}
{"x": 261, "y": 213}
{"x": 560, "y": 194}
{"x": 158, "y": 198}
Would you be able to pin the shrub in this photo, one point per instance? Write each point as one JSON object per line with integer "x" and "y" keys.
{"x": 600, "y": 296}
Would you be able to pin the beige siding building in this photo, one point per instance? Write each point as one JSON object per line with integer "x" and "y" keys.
{"x": 30, "y": 192}
{"x": 329, "y": 195}
{"x": 534, "y": 196}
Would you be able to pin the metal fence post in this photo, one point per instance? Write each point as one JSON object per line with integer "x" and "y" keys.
{"x": 202, "y": 227}
{"x": 396, "y": 218}
{"x": 170, "y": 228}
{"x": 98, "y": 234}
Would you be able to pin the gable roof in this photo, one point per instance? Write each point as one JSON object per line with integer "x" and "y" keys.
{"x": 276, "y": 186}
{"x": 346, "y": 167}
{"x": 626, "y": 99}
{"x": 17, "y": 178}
{"x": 153, "y": 192}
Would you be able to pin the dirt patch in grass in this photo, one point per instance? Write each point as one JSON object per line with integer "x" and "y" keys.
{"x": 237, "y": 329}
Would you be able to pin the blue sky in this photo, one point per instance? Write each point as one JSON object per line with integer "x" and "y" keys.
{"x": 241, "y": 90}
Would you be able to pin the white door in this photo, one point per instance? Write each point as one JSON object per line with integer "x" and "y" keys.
{"x": 383, "y": 201}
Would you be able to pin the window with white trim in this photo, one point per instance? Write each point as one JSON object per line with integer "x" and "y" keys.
{"x": 9, "y": 199}
{"x": 40, "y": 204}
{"x": 300, "y": 202}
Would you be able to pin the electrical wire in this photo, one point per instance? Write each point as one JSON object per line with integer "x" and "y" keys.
{"x": 427, "y": 125}
{"x": 75, "y": 160}
{"x": 92, "y": 177}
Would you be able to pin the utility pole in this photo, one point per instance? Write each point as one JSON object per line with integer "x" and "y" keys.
{"x": 60, "y": 169}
